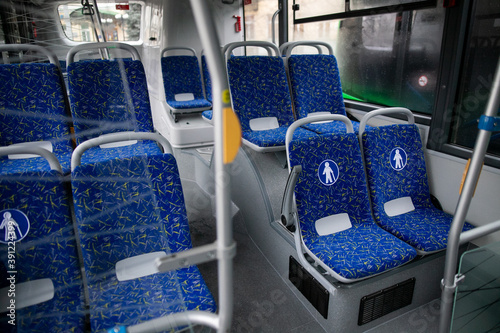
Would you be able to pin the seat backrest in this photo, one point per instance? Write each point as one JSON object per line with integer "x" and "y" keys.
{"x": 33, "y": 107}
{"x": 181, "y": 75}
{"x": 108, "y": 96}
{"x": 259, "y": 88}
{"x": 332, "y": 180}
{"x": 135, "y": 204}
{"x": 315, "y": 84}
{"x": 37, "y": 205}
{"x": 395, "y": 165}
{"x": 207, "y": 81}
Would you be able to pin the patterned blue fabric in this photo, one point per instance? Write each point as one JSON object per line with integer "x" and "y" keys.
{"x": 315, "y": 82}
{"x": 207, "y": 114}
{"x": 141, "y": 148}
{"x": 332, "y": 127}
{"x": 32, "y": 108}
{"x": 47, "y": 251}
{"x": 207, "y": 80}
{"x": 426, "y": 228}
{"x": 259, "y": 88}
{"x": 126, "y": 208}
{"x": 275, "y": 137}
{"x": 362, "y": 250}
{"x": 181, "y": 74}
{"x": 108, "y": 96}
{"x": 316, "y": 87}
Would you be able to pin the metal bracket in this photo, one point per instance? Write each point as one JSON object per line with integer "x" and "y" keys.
{"x": 194, "y": 256}
{"x": 490, "y": 124}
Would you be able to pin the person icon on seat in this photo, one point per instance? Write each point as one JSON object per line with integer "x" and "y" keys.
{"x": 398, "y": 159}
{"x": 328, "y": 172}
{"x": 9, "y": 224}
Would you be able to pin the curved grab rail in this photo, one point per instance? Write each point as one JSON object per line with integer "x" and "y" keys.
{"x": 313, "y": 119}
{"x": 385, "y": 111}
{"x": 171, "y": 48}
{"x": 176, "y": 320}
{"x": 270, "y": 47}
{"x": 108, "y": 45}
{"x": 50, "y": 157}
{"x": 34, "y": 48}
{"x": 76, "y": 158}
{"x": 287, "y": 49}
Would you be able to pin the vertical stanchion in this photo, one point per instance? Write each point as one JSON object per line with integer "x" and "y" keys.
{"x": 483, "y": 138}
{"x": 227, "y": 138}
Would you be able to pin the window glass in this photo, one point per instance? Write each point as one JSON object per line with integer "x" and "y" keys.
{"x": 311, "y": 8}
{"x": 314, "y": 8}
{"x": 258, "y": 19}
{"x": 390, "y": 59}
{"x": 481, "y": 58}
{"x": 118, "y": 23}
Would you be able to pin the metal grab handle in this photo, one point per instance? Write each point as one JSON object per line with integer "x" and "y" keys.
{"x": 313, "y": 119}
{"x": 76, "y": 158}
{"x": 273, "y": 21}
{"x": 287, "y": 49}
{"x": 33, "y": 48}
{"x": 170, "y": 48}
{"x": 50, "y": 157}
{"x": 107, "y": 45}
{"x": 270, "y": 47}
{"x": 384, "y": 112}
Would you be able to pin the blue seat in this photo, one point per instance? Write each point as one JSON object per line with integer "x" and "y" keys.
{"x": 261, "y": 98}
{"x": 49, "y": 292}
{"x": 397, "y": 180}
{"x": 315, "y": 86}
{"x": 33, "y": 111}
{"x": 110, "y": 96}
{"x": 207, "y": 83}
{"x": 335, "y": 226}
{"x": 182, "y": 82}
{"x": 127, "y": 209}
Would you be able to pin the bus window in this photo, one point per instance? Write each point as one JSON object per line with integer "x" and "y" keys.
{"x": 389, "y": 59}
{"x": 258, "y": 17}
{"x": 476, "y": 80}
{"x": 118, "y": 22}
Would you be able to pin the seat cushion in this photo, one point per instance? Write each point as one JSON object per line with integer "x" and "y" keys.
{"x": 141, "y": 148}
{"x": 361, "y": 251}
{"x": 426, "y": 229}
{"x": 274, "y": 137}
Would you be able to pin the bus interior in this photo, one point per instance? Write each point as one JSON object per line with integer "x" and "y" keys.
{"x": 249, "y": 166}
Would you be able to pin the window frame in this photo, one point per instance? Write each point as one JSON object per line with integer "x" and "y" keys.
{"x": 457, "y": 31}
{"x": 423, "y": 4}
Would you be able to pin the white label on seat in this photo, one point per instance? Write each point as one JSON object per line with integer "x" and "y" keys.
{"x": 47, "y": 145}
{"x": 321, "y": 113}
{"x": 26, "y": 294}
{"x": 184, "y": 97}
{"x": 117, "y": 143}
{"x": 333, "y": 224}
{"x": 138, "y": 266}
{"x": 399, "y": 206}
{"x": 264, "y": 123}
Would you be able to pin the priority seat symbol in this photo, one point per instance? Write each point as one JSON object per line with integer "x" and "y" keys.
{"x": 328, "y": 172}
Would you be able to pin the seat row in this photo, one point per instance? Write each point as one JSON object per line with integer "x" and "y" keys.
{"x": 105, "y": 97}
{"x": 80, "y": 255}
{"x": 355, "y": 224}
{"x": 269, "y": 93}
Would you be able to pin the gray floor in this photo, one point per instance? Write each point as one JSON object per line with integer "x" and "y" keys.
{"x": 262, "y": 301}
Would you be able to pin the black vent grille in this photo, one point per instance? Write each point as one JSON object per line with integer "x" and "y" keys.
{"x": 385, "y": 301}
{"x": 309, "y": 287}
